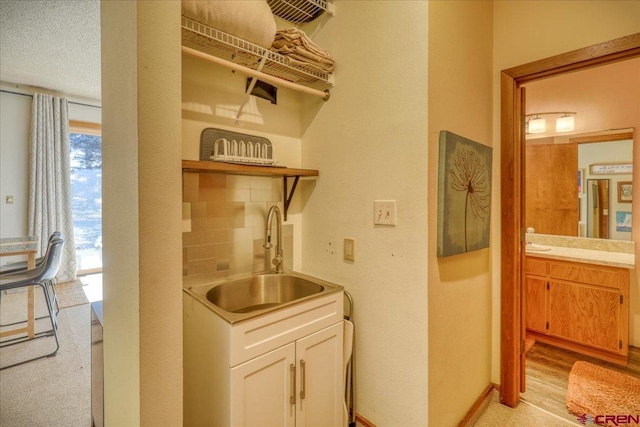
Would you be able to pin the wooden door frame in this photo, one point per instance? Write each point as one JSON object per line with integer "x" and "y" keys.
{"x": 512, "y": 190}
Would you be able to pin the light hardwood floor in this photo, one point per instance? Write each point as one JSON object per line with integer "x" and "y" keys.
{"x": 548, "y": 370}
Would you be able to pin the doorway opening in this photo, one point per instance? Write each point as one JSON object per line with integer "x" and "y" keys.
{"x": 85, "y": 148}
{"x": 513, "y": 111}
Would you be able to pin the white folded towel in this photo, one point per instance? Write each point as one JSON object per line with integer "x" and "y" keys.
{"x": 301, "y": 50}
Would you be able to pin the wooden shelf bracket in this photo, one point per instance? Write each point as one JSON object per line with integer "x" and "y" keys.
{"x": 288, "y": 196}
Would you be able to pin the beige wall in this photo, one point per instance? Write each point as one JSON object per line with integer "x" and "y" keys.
{"x": 526, "y": 31}
{"x": 120, "y": 201}
{"x": 142, "y": 213}
{"x": 459, "y": 286}
{"x": 369, "y": 141}
{"x": 211, "y": 95}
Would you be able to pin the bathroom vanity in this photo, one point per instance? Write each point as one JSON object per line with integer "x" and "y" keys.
{"x": 578, "y": 299}
{"x": 263, "y": 364}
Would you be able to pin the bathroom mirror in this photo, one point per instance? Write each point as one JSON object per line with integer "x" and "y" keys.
{"x": 558, "y": 176}
{"x": 598, "y": 208}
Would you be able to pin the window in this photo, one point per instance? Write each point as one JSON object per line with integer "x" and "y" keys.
{"x": 85, "y": 150}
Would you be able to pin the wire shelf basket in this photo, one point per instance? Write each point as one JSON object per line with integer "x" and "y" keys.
{"x": 222, "y": 45}
{"x": 233, "y": 147}
{"x": 299, "y": 11}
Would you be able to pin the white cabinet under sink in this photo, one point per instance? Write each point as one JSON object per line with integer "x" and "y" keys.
{"x": 298, "y": 385}
{"x": 283, "y": 368}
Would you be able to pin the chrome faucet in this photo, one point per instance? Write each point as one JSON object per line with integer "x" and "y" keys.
{"x": 277, "y": 261}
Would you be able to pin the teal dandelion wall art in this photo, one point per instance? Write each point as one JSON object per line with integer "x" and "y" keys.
{"x": 464, "y": 195}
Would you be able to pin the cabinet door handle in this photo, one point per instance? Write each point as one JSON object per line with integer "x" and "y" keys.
{"x": 292, "y": 398}
{"x": 302, "y": 373}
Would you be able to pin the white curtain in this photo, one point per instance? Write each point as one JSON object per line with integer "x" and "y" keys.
{"x": 50, "y": 179}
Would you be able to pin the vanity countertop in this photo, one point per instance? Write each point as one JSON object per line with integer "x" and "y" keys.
{"x": 588, "y": 256}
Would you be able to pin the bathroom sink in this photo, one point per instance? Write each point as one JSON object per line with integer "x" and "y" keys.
{"x": 537, "y": 247}
{"x": 261, "y": 292}
{"x": 243, "y": 297}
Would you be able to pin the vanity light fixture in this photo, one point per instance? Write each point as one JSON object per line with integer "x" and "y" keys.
{"x": 565, "y": 123}
{"x": 536, "y": 125}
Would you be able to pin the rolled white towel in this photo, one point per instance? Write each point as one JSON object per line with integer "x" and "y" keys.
{"x": 249, "y": 20}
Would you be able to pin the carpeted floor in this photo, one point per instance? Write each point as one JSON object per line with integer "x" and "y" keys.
{"x": 13, "y": 303}
{"x": 71, "y": 294}
{"x": 54, "y": 391}
{"x": 524, "y": 415}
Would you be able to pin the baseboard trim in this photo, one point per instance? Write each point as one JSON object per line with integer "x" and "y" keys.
{"x": 471, "y": 416}
{"x": 477, "y": 407}
{"x": 608, "y": 356}
{"x": 363, "y": 421}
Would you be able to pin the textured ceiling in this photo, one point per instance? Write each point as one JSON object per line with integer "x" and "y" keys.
{"x": 53, "y": 44}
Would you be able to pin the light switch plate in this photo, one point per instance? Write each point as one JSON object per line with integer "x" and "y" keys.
{"x": 384, "y": 212}
{"x": 349, "y": 249}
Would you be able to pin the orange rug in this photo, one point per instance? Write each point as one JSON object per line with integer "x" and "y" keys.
{"x": 603, "y": 396}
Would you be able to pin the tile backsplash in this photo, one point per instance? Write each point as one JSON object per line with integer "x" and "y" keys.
{"x": 224, "y": 219}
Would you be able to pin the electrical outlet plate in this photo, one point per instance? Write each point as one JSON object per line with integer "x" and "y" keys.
{"x": 384, "y": 212}
{"x": 349, "y": 252}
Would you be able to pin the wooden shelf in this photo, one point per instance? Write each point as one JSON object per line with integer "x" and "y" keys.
{"x": 236, "y": 169}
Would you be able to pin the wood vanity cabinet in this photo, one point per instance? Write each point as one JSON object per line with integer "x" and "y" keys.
{"x": 577, "y": 306}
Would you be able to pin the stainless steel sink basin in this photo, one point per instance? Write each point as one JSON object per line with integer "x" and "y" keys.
{"x": 261, "y": 292}
{"x": 240, "y": 298}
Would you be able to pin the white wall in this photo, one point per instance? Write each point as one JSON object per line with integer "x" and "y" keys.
{"x": 369, "y": 141}
{"x": 84, "y": 113}
{"x": 15, "y": 116}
